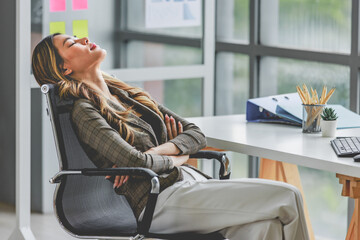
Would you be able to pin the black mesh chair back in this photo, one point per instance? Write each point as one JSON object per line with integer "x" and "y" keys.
{"x": 85, "y": 206}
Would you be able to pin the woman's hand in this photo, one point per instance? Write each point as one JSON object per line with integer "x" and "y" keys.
{"x": 167, "y": 148}
{"x": 180, "y": 160}
{"x": 152, "y": 151}
{"x": 171, "y": 127}
{"x": 119, "y": 180}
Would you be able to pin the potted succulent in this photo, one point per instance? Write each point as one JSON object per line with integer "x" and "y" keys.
{"x": 328, "y": 122}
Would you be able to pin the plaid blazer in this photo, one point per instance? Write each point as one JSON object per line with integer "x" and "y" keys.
{"x": 105, "y": 147}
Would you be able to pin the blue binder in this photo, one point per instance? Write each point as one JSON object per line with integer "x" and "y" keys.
{"x": 268, "y": 109}
{"x": 287, "y": 109}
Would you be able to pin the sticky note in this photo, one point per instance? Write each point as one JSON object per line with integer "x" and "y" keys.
{"x": 80, "y": 28}
{"x": 80, "y": 4}
{"x": 57, "y": 27}
{"x": 57, "y": 5}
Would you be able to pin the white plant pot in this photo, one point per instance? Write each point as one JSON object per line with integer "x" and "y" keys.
{"x": 328, "y": 128}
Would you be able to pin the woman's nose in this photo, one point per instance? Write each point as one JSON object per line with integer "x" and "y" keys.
{"x": 84, "y": 40}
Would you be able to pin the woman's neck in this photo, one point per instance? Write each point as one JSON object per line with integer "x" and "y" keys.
{"x": 97, "y": 82}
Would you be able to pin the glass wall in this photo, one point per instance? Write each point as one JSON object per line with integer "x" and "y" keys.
{"x": 327, "y": 208}
{"x": 317, "y": 25}
{"x": 138, "y": 10}
{"x": 150, "y": 54}
{"x": 232, "y": 69}
{"x": 182, "y": 96}
{"x": 232, "y": 85}
{"x": 163, "y": 49}
{"x": 232, "y": 23}
{"x": 282, "y": 75}
{"x": 140, "y": 20}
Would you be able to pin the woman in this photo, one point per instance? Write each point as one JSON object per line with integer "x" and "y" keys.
{"x": 121, "y": 126}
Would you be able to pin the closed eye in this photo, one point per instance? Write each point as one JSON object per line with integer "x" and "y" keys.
{"x": 72, "y": 44}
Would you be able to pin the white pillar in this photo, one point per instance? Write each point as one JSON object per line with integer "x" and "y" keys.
{"x": 209, "y": 57}
{"x": 23, "y": 126}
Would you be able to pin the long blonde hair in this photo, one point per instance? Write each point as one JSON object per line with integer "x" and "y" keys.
{"x": 47, "y": 68}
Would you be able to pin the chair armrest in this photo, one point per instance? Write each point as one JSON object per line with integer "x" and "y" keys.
{"x": 145, "y": 172}
{"x": 144, "y": 225}
{"x": 225, "y": 166}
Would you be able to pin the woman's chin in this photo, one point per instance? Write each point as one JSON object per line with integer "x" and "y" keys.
{"x": 103, "y": 53}
{"x": 100, "y": 55}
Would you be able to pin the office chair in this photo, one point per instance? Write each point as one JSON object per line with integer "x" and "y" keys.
{"x": 85, "y": 203}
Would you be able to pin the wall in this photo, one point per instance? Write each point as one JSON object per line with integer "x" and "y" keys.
{"x": 7, "y": 101}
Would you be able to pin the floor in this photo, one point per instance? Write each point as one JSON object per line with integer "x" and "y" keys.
{"x": 43, "y": 226}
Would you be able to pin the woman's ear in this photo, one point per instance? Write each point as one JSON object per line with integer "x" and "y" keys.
{"x": 67, "y": 71}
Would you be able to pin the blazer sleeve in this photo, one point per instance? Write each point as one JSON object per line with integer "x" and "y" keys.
{"x": 191, "y": 140}
{"x": 94, "y": 131}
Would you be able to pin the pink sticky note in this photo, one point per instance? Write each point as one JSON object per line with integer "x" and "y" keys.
{"x": 57, "y": 5}
{"x": 79, "y": 4}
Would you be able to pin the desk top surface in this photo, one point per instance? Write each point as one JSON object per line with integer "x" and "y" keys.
{"x": 278, "y": 142}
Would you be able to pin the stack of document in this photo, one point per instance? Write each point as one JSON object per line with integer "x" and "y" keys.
{"x": 287, "y": 109}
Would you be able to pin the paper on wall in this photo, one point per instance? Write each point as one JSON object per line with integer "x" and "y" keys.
{"x": 172, "y": 13}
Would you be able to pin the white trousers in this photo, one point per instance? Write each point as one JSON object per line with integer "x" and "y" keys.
{"x": 240, "y": 209}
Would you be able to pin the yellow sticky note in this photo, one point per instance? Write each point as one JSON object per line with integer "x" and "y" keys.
{"x": 57, "y": 27}
{"x": 80, "y": 28}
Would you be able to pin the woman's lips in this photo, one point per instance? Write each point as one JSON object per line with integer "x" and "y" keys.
{"x": 93, "y": 46}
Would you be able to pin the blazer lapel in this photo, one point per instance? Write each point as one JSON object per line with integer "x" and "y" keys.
{"x": 160, "y": 134}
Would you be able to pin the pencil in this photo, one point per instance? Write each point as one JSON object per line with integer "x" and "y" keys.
{"x": 329, "y": 95}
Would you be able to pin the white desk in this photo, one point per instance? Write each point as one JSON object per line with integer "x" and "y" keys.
{"x": 286, "y": 144}
{"x": 279, "y": 142}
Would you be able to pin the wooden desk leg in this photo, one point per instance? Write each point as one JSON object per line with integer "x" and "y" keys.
{"x": 351, "y": 188}
{"x": 289, "y": 173}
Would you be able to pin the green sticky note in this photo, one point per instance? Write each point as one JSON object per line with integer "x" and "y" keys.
{"x": 80, "y": 28}
{"x": 57, "y": 27}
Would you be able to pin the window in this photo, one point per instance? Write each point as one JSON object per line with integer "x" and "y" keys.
{"x": 149, "y": 54}
{"x": 232, "y": 70}
{"x": 232, "y": 20}
{"x": 282, "y": 75}
{"x": 232, "y": 83}
{"x": 167, "y": 46}
{"x": 135, "y": 17}
{"x": 327, "y": 208}
{"x": 318, "y": 25}
{"x": 170, "y": 93}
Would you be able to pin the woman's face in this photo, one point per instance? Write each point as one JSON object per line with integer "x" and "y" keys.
{"x": 79, "y": 55}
